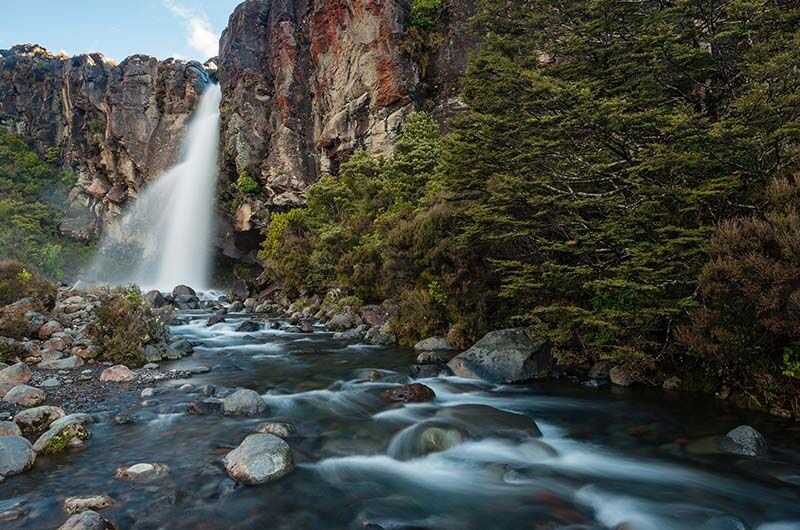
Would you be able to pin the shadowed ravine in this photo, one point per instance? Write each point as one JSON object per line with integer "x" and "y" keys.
{"x": 605, "y": 460}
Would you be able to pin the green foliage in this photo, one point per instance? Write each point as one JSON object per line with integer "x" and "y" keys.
{"x": 341, "y": 240}
{"x": 425, "y": 14}
{"x": 749, "y": 324}
{"x": 247, "y": 184}
{"x": 124, "y": 325}
{"x": 17, "y": 282}
{"x": 30, "y": 193}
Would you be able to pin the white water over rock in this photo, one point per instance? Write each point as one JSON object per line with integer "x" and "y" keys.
{"x": 165, "y": 238}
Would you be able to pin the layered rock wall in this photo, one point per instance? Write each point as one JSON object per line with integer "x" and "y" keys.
{"x": 116, "y": 126}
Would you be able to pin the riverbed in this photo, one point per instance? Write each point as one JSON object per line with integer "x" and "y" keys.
{"x": 605, "y": 458}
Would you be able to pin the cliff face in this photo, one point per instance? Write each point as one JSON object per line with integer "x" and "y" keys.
{"x": 116, "y": 126}
{"x": 307, "y": 82}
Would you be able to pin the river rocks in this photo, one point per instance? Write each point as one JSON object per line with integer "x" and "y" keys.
{"x": 25, "y": 396}
{"x": 16, "y": 455}
{"x": 62, "y": 435}
{"x": 413, "y": 393}
{"x": 38, "y": 419}
{"x": 152, "y": 354}
{"x": 434, "y": 344}
{"x": 17, "y": 374}
{"x": 214, "y": 320}
{"x": 425, "y": 438}
{"x": 9, "y": 428}
{"x": 600, "y": 371}
{"x": 306, "y": 327}
{"x": 50, "y": 328}
{"x": 183, "y": 346}
{"x": 183, "y": 290}
{"x": 481, "y": 421}
{"x": 187, "y": 301}
{"x": 745, "y": 440}
{"x": 425, "y": 371}
{"x": 430, "y": 357}
{"x": 86, "y": 503}
{"x": 340, "y": 323}
{"x": 236, "y": 307}
{"x": 351, "y": 335}
{"x": 259, "y": 459}
{"x": 620, "y": 376}
{"x": 117, "y": 374}
{"x": 205, "y": 407}
{"x": 249, "y": 326}
{"x": 244, "y": 402}
{"x": 88, "y": 520}
{"x": 672, "y": 384}
{"x": 379, "y": 336}
{"x": 141, "y": 472}
{"x": 155, "y": 299}
{"x": 506, "y": 356}
{"x": 70, "y": 363}
{"x": 278, "y": 428}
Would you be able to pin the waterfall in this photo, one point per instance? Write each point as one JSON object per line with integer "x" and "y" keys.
{"x": 165, "y": 237}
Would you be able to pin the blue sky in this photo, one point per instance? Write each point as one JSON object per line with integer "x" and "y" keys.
{"x": 187, "y": 29}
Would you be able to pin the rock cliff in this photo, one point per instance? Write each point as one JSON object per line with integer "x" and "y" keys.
{"x": 307, "y": 82}
{"x": 115, "y": 126}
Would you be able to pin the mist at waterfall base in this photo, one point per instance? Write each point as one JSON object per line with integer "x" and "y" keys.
{"x": 164, "y": 238}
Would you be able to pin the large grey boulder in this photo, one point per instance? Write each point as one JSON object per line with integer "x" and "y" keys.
{"x": 70, "y": 363}
{"x": 434, "y": 344}
{"x": 259, "y": 459}
{"x": 9, "y": 428}
{"x": 16, "y": 455}
{"x": 38, "y": 419}
{"x": 340, "y": 323}
{"x": 183, "y": 290}
{"x": 744, "y": 440}
{"x": 155, "y": 299}
{"x": 506, "y": 356}
{"x": 244, "y": 402}
{"x": 63, "y": 434}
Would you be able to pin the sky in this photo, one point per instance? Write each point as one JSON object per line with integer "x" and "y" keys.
{"x": 185, "y": 29}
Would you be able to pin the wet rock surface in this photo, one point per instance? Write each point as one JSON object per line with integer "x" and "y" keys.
{"x": 259, "y": 459}
{"x": 506, "y": 356}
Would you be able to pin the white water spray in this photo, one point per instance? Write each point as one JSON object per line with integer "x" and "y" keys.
{"x": 165, "y": 238}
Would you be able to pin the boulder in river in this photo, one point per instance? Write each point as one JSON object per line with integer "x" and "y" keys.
{"x": 250, "y": 326}
{"x": 620, "y": 376}
{"x": 600, "y": 371}
{"x": 16, "y": 455}
{"x": 430, "y": 357}
{"x": 88, "y": 520}
{"x": 38, "y": 419}
{"x": 142, "y": 472}
{"x": 155, "y": 299}
{"x": 204, "y": 407}
{"x": 506, "y": 356}
{"x": 25, "y": 396}
{"x": 61, "y": 436}
{"x": 87, "y": 503}
{"x": 183, "y": 290}
{"x": 259, "y": 459}
{"x": 239, "y": 290}
{"x": 341, "y": 322}
{"x": 183, "y": 346}
{"x": 244, "y": 402}
{"x": 434, "y": 344}
{"x": 278, "y": 428}
{"x": 413, "y": 393}
{"x": 745, "y": 440}
{"x": 117, "y": 374}
{"x": 214, "y": 320}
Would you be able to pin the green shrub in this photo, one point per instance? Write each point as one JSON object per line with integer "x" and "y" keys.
{"x": 17, "y": 282}
{"x": 247, "y": 184}
{"x": 124, "y": 325}
{"x": 426, "y": 14}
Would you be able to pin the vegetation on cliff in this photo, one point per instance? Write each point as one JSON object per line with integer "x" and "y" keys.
{"x": 32, "y": 194}
{"x": 604, "y": 146}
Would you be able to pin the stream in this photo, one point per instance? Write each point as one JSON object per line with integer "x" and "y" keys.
{"x": 607, "y": 458}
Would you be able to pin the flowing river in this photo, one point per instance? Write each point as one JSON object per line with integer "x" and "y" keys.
{"x": 605, "y": 459}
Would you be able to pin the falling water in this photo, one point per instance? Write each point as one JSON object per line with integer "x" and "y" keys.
{"x": 165, "y": 237}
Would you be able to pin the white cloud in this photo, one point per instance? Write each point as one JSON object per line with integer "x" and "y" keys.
{"x": 201, "y": 37}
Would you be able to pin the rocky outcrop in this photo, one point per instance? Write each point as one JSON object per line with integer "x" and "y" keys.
{"x": 117, "y": 126}
{"x": 307, "y": 82}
